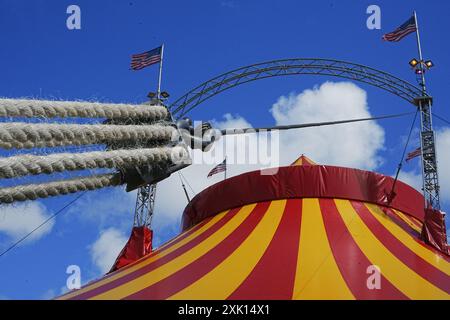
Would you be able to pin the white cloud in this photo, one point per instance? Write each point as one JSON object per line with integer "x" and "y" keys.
{"x": 414, "y": 177}
{"x": 63, "y": 290}
{"x": 232, "y": 122}
{"x": 106, "y": 248}
{"x": 48, "y": 295}
{"x": 353, "y": 145}
{"x": 17, "y": 220}
{"x": 170, "y": 197}
{"x": 443, "y": 155}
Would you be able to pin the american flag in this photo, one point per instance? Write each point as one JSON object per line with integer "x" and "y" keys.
{"x": 145, "y": 59}
{"x": 417, "y": 152}
{"x": 402, "y": 31}
{"x": 219, "y": 168}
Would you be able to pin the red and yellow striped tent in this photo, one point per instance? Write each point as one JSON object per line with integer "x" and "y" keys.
{"x": 303, "y": 232}
{"x": 303, "y": 161}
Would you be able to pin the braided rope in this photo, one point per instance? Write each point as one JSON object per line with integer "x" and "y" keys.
{"x": 25, "y": 135}
{"x": 29, "y": 108}
{"x": 23, "y": 165}
{"x": 57, "y": 188}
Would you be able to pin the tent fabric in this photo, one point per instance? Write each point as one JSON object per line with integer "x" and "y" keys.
{"x": 138, "y": 245}
{"x": 315, "y": 181}
{"x": 304, "y": 232}
{"x": 434, "y": 231}
{"x": 292, "y": 248}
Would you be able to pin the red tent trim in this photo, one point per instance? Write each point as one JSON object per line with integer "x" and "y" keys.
{"x": 316, "y": 181}
{"x": 139, "y": 244}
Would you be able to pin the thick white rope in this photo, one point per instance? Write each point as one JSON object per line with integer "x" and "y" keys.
{"x": 23, "y": 165}
{"x": 26, "y": 135}
{"x": 29, "y": 108}
{"x": 57, "y": 188}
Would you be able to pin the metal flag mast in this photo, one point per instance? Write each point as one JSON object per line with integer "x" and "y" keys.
{"x": 158, "y": 94}
{"x": 225, "y": 171}
{"x": 145, "y": 200}
{"x": 427, "y": 139}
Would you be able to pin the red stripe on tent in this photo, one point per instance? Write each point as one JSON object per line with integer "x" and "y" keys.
{"x": 153, "y": 265}
{"x": 400, "y": 222}
{"x": 198, "y": 268}
{"x": 351, "y": 261}
{"x": 154, "y": 253}
{"x": 416, "y": 236}
{"x": 183, "y": 235}
{"x": 406, "y": 216}
{"x": 408, "y": 257}
{"x": 274, "y": 275}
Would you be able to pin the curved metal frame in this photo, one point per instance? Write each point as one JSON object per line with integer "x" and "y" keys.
{"x": 335, "y": 68}
{"x": 295, "y": 66}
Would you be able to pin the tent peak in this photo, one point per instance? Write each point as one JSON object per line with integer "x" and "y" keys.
{"x": 303, "y": 161}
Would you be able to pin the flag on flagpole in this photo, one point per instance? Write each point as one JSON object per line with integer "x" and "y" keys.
{"x": 221, "y": 167}
{"x": 145, "y": 59}
{"x": 398, "y": 34}
{"x": 417, "y": 152}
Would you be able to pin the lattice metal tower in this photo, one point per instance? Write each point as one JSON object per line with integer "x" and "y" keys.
{"x": 145, "y": 203}
{"x": 145, "y": 199}
{"x": 427, "y": 138}
{"x": 429, "y": 161}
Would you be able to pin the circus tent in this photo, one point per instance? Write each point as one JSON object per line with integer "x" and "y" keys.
{"x": 304, "y": 231}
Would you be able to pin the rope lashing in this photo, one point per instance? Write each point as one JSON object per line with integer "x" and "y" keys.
{"x": 57, "y": 188}
{"x": 137, "y": 136}
{"x": 29, "y": 108}
{"x": 27, "y": 135}
{"x": 22, "y": 165}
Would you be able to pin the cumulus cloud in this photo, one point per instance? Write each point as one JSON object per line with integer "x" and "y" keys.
{"x": 170, "y": 197}
{"x": 412, "y": 178}
{"x": 17, "y": 220}
{"x": 106, "y": 248}
{"x": 231, "y": 121}
{"x": 48, "y": 295}
{"x": 354, "y": 145}
{"x": 443, "y": 156}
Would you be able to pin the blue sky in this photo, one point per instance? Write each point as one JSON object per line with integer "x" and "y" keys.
{"x": 41, "y": 58}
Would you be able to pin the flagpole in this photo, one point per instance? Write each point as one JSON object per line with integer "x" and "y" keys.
{"x": 225, "y": 172}
{"x": 419, "y": 48}
{"x": 160, "y": 72}
{"x": 184, "y": 188}
{"x": 422, "y": 84}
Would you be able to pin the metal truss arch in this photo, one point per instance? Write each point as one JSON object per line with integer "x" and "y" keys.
{"x": 295, "y": 66}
